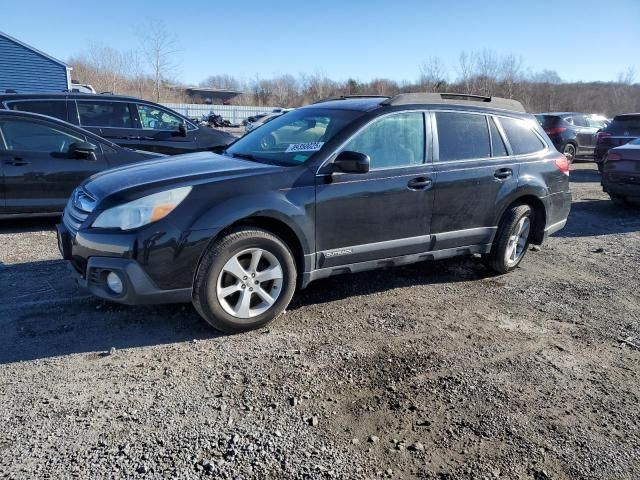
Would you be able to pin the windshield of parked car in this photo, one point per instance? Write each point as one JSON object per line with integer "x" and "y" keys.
{"x": 292, "y": 138}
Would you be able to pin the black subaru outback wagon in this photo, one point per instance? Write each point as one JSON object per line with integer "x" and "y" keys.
{"x": 126, "y": 121}
{"x": 339, "y": 186}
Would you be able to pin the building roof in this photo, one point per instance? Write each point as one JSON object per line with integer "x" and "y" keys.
{"x": 29, "y": 47}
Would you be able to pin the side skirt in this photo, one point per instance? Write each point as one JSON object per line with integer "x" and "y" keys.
{"x": 309, "y": 277}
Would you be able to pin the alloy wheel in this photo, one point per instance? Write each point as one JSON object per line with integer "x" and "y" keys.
{"x": 250, "y": 283}
{"x": 518, "y": 241}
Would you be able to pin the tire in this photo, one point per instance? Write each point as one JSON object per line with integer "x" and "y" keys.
{"x": 569, "y": 151}
{"x": 501, "y": 257}
{"x": 244, "y": 307}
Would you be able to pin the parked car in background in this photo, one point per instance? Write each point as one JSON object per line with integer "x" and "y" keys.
{"x": 260, "y": 121}
{"x": 572, "y": 133}
{"x": 126, "y": 121}
{"x": 344, "y": 185}
{"x": 254, "y": 118}
{"x": 42, "y": 159}
{"x": 622, "y": 130}
{"x": 621, "y": 173}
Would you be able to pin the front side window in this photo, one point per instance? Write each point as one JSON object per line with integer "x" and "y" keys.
{"x": 521, "y": 136}
{"x": 392, "y": 141}
{"x": 26, "y": 136}
{"x": 53, "y": 108}
{"x": 292, "y": 138}
{"x": 462, "y": 136}
{"x": 154, "y": 118}
{"x": 104, "y": 114}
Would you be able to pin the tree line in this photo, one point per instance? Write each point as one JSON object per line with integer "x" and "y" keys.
{"x": 150, "y": 72}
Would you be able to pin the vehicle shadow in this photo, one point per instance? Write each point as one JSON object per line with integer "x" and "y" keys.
{"x": 54, "y": 317}
{"x": 461, "y": 269}
{"x": 27, "y": 225}
{"x": 584, "y": 175}
{"x": 590, "y": 218}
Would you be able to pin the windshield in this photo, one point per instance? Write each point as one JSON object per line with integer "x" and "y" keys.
{"x": 292, "y": 138}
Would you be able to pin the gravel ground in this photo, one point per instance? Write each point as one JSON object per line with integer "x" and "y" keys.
{"x": 436, "y": 370}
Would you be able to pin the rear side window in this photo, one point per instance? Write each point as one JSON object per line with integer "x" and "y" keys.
{"x": 521, "y": 137}
{"x": 462, "y": 136}
{"x": 52, "y": 108}
{"x": 498, "y": 148}
{"x": 104, "y": 114}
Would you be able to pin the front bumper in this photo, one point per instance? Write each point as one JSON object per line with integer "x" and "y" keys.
{"x": 91, "y": 273}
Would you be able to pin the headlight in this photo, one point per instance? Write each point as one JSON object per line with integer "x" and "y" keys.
{"x": 142, "y": 211}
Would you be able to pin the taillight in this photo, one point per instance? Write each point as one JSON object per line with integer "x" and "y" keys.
{"x": 555, "y": 131}
{"x": 613, "y": 157}
{"x": 563, "y": 164}
{"x": 602, "y": 135}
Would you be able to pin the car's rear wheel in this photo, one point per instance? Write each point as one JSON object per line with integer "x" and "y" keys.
{"x": 569, "y": 151}
{"x": 245, "y": 280}
{"x": 512, "y": 239}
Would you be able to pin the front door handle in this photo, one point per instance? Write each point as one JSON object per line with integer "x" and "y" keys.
{"x": 419, "y": 183}
{"x": 17, "y": 162}
{"x": 503, "y": 173}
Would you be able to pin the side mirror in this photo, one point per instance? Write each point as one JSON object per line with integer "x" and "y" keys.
{"x": 83, "y": 150}
{"x": 352, "y": 162}
{"x": 182, "y": 129}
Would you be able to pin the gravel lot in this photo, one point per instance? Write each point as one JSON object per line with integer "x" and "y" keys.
{"x": 437, "y": 370}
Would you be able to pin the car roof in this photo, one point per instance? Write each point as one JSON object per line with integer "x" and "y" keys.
{"x": 63, "y": 95}
{"x": 559, "y": 114}
{"x": 62, "y": 123}
{"x": 625, "y": 115}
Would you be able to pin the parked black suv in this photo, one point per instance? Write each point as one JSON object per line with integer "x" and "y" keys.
{"x": 42, "y": 159}
{"x": 127, "y": 121}
{"x": 572, "y": 133}
{"x": 340, "y": 186}
{"x": 622, "y": 130}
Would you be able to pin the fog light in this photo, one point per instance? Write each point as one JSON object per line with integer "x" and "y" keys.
{"x": 114, "y": 283}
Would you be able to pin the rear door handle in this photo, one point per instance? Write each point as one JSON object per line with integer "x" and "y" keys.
{"x": 503, "y": 173}
{"x": 17, "y": 162}
{"x": 419, "y": 183}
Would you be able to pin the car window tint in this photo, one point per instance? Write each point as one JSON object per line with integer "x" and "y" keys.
{"x": 104, "y": 114}
{"x": 29, "y": 136}
{"x": 521, "y": 137}
{"x": 462, "y": 136}
{"x": 596, "y": 122}
{"x": 498, "y": 149}
{"x": 53, "y": 108}
{"x": 154, "y": 118}
{"x": 392, "y": 141}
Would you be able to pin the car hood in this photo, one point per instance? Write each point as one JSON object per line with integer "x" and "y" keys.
{"x": 168, "y": 171}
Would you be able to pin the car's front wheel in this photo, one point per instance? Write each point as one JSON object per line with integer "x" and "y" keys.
{"x": 512, "y": 239}
{"x": 245, "y": 279}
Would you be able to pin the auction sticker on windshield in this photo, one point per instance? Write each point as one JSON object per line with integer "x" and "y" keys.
{"x": 304, "y": 147}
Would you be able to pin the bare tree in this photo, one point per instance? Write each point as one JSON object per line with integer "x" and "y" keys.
{"x": 159, "y": 47}
{"x": 433, "y": 75}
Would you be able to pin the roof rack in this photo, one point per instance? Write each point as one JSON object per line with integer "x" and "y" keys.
{"x": 454, "y": 98}
{"x": 346, "y": 97}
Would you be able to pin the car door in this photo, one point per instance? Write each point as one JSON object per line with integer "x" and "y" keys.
{"x": 585, "y": 135}
{"x": 40, "y": 172}
{"x": 473, "y": 170}
{"x": 383, "y": 213}
{"x": 161, "y": 131}
{"x": 111, "y": 119}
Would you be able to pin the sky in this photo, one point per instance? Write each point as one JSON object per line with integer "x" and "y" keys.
{"x": 580, "y": 40}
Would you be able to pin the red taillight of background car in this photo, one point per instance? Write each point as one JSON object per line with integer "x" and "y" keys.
{"x": 613, "y": 157}
{"x": 602, "y": 135}
{"x": 555, "y": 131}
{"x": 563, "y": 164}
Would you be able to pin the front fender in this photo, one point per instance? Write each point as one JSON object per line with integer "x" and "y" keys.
{"x": 294, "y": 207}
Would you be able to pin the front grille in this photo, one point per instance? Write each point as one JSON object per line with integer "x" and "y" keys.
{"x": 78, "y": 208}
